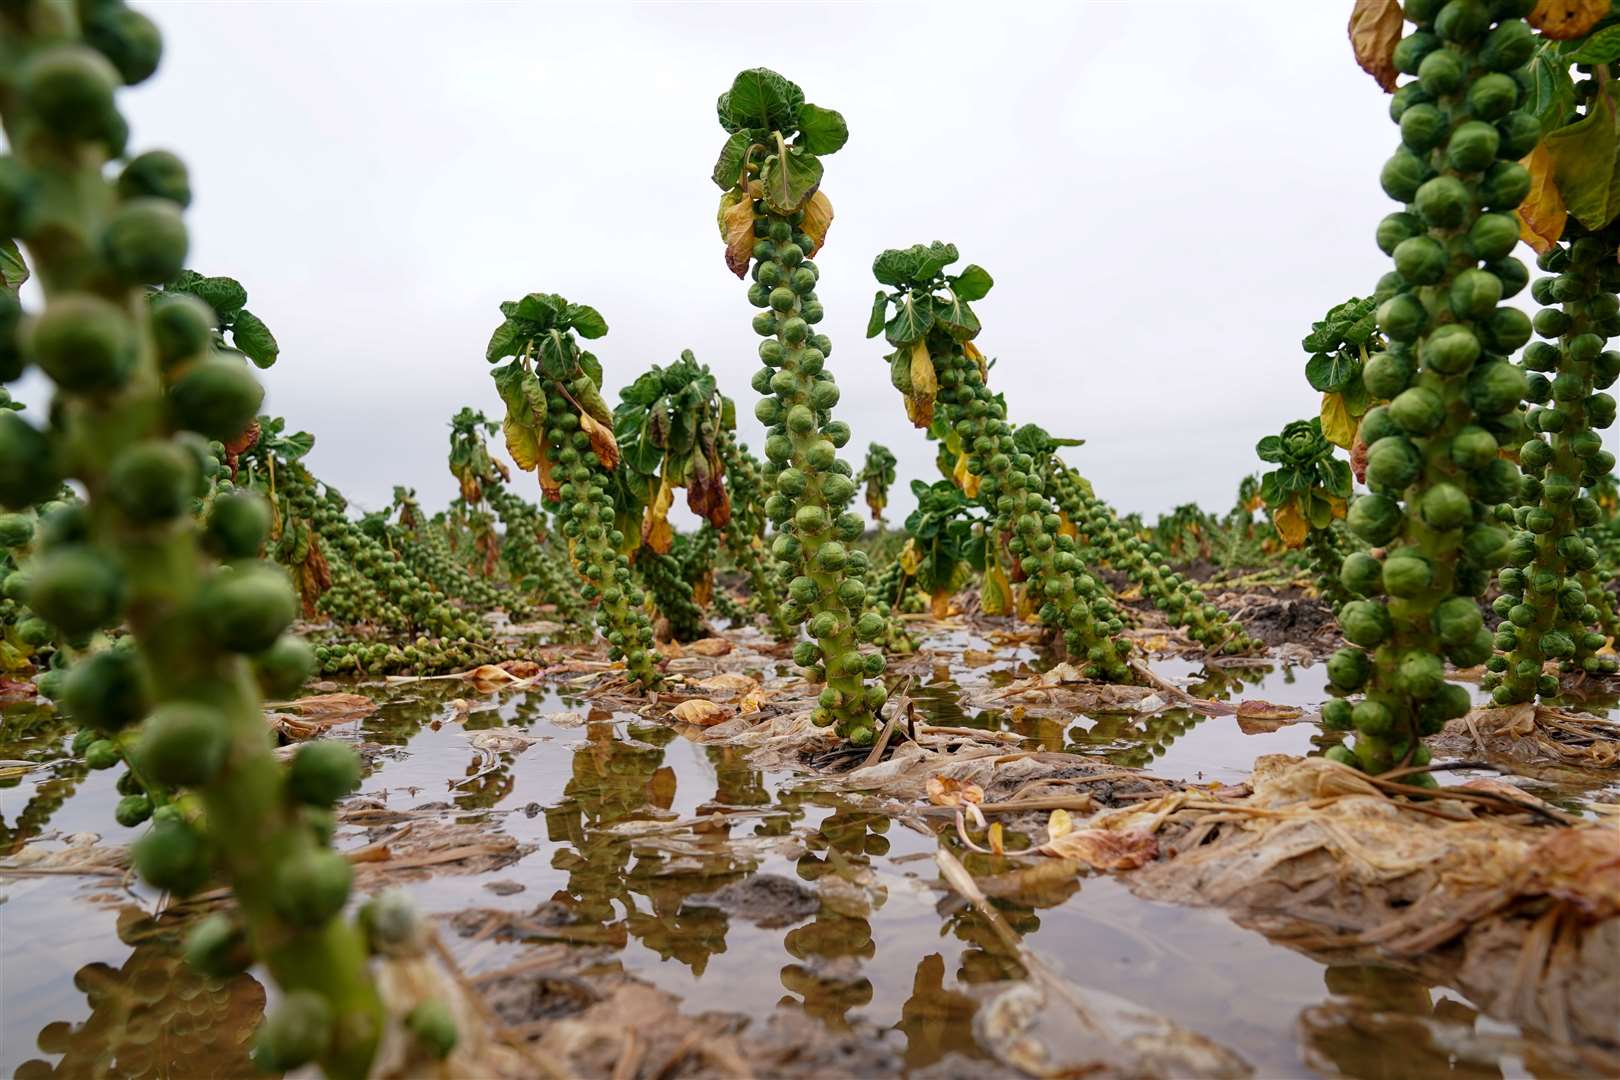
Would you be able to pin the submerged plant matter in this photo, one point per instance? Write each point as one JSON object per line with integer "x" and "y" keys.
{"x": 774, "y": 218}
{"x": 925, "y": 314}
{"x": 1433, "y": 461}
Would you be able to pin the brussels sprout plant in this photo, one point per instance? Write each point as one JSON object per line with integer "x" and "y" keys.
{"x": 773, "y": 218}
{"x": 925, "y": 313}
{"x": 136, "y": 400}
{"x": 877, "y": 474}
{"x": 1433, "y": 461}
{"x": 1305, "y": 494}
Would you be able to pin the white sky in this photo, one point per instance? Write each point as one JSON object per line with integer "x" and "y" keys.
{"x": 1167, "y": 195}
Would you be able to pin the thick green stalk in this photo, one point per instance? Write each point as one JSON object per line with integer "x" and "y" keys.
{"x": 1549, "y": 614}
{"x": 744, "y": 535}
{"x": 1433, "y": 464}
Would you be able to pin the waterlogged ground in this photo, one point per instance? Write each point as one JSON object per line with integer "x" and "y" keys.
{"x": 800, "y": 900}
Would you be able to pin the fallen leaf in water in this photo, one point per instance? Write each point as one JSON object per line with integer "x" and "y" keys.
{"x": 1258, "y": 717}
{"x": 753, "y": 701}
{"x": 949, "y": 791}
{"x": 998, "y": 839}
{"x": 728, "y": 681}
{"x": 503, "y": 739}
{"x": 1059, "y": 824}
{"x": 709, "y": 646}
{"x": 523, "y": 669}
{"x": 701, "y": 712}
{"x": 488, "y": 677}
{"x": 1105, "y": 849}
{"x": 977, "y": 657}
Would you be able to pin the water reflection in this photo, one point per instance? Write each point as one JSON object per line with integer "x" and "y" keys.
{"x": 35, "y": 734}
{"x": 153, "y": 1016}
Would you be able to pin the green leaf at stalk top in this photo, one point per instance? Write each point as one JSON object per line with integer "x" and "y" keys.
{"x": 913, "y": 316}
{"x": 788, "y": 184}
{"x": 253, "y": 339}
{"x": 542, "y": 309}
{"x": 958, "y": 319}
{"x": 225, "y": 295}
{"x": 973, "y": 283}
{"x": 586, "y": 321}
{"x": 1270, "y": 449}
{"x": 1332, "y": 372}
{"x": 880, "y": 312}
{"x": 915, "y": 267}
{"x": 822, "y": 131}
{"x": 507, "y": 340}
{"x": 760, "y": 98}
{"x": 728, "y": 169}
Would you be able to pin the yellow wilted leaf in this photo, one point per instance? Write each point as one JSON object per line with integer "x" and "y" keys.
{"x": 1566, "y": 19}
{"x": 965, "y": 478}
{"x": 1291, "y": 524}
{"x": 656, "y": 531}
{"x": 995, "y": 592}
{"x": 1066, "y": 527}
{"x": 939, "y": 603}
{"x": 1337, "y": 505}
{"x": 1028, "y": 604}
{"x": 703, "y": 590}
{"x": 818, "y": 218}
{"x": 1059, "y": 823}
{"x": 1375, "y": 29}
{"x": 949, "y": 791}
{"x": 602, "y": 440}
{"x": 522, "y": 442}
{"x": 924, "y": 385}
{"x": 910, "y": 557}
{"x": 971, "y": 351}
{"x": 699, "y": 711}
{"x": 736, "y": 218}
{"x": 1338, "y": 426}
{"x": 1542, "y": 215}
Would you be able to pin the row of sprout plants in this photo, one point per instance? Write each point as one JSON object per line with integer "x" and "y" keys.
{"x": 1452, "y": 502}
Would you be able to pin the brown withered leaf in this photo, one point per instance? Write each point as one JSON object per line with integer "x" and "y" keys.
{"x": 602, "y": 440}
{"x": 709, "y": 646}
{"x": 701, "y": 712}
{"x": 939, "y": 603}
{"x": 1259, "y": 717}
{"x": 550, "y": 486}
{"x": 736, "y": 219}
{"x": 1580, "y": 867}
{"x": 924, "y": 385}
{"x": 1542, "y": 215}
{"x": 706, "y": 490}
{"x": 729, "y": 682}
{"x": 1562, "y": 20}
{"x": 1375, "y": 29}
{"x": 818, "y": 218}
{"x": 1105, "y": 849}
{"x": 949, "y": 791}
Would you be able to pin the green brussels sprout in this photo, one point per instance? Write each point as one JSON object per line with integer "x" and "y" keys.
{"x": 1422, "y": 260}
{"x": 1349, "y": 668}
{"x": 433, "y": 1027}
{"x": 322, "y": 772}
{"x": 1336, "y": 715}
{"x": 1472, "y": 148}
{"x": 1495, "y": 387}
{"x": 132, "y": 810}
{"x": 1493, "y": 236}
{"x": 70, "y": 88}
{"x": 217, "y": 398}
{"x": 1375, "y": 518}
{"x": 1474, "y": 294}
{"x": 1418, "y": 410}
{"x": 1392, "y": 464}
{"x": 285, "y": 667}
{"x": 1445, "y": 506}
{"x": 1386, "y": 374}
{"x": 1407, "y": 574}
{"x": 106, "y": 691}
{"x": 145, "y": 241}
{"x": 182, "y": 326}
{"x": 75, "y": 589}
{"x": 1473, "y": 447}
{"x": 183, "y": 744}
{"x": 238, "y": 525}
{"x": 246, "y": 609}
{"x": 310, "y": 887}
{"x": 84, "y": 343}
{"x": 1371, "y": 717}
{"x": 1366, "y": 623}
{"x": 152, "y": 481}
{"x": 1361, "y": 574}
{"x": 172, "y": 856}
{"x": 297, "y": 1031}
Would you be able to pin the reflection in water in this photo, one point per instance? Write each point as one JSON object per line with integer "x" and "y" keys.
{"x": 1391, "y": 1025}
{"x": 154, "y": 1016}
{"x": 34, "y": 733}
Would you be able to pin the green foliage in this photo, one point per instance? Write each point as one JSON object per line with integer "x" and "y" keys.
{"x": 227, "y": 302}
{"x": 669, "y": 424}
{"x": 877, "y": 473}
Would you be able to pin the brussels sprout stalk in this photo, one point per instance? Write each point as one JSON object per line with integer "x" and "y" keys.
{"x": 773, "y": 218}
{"x": 1433, "y": 465}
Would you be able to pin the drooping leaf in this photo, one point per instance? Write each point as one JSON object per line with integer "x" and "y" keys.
{"x": 973, "y": 283}
{"x": 728, "y": 168}
{"x": 507, "y": 340}
{"x": 956, "y": 317}
{"x": 1549, "y": 94}
{"x": 1270, "y": 449}
{"x": 1375, "y": 30}
{"x": 822, "y": 131}
{"x": 590, "y": 365}
{"x": 656, "y": 531}
{"x": 1337, "y": 424}
{"x": 13, "y": 270}
{"x": 788, "y": 180}
{"x": 880, "y": 309}
{"x": 736, "y": 219}
{"x": 924, "y": 386}
{"x": 253, "y": 339}
{"x": 586, "y": 321}
{"x": 1542, "y": 215}
{"x": 1331, "y": 372}
{"x": 1602, "y": 47}
{"x": 1584, "y": 158}
{"x": 603, "y": 444}
{"x": 913, "y": 316}
{"x": 1565, "y": 20}
{"x": 818, "y": 218}
{"x": 225, "y": 295}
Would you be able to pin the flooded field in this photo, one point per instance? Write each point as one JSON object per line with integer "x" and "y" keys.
{"x": 797, "y": 899}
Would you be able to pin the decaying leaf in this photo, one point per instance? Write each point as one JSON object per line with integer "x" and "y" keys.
{"x": 1059, "y": 824}
{"x": 1375, "y": 30}
{"x": 602, "y": 440}
{"x": 709, "y": 646}
{"x": 1105, "y": 849}
{"x": 949, "y": 791}
{"x": 728, "y": 682}
{"x": 818, "y": 218}
{"x": 656, "y": 531}
{"x": 995, "y": 592}
{"x": 1338, "y": 426}
{"x": 700, "y": 711}
{"x": 910, "y": 557}
{"x": 1291, "y": 525}
{"x": 1562, "y": 20}
{"x": 924, "y": 385}
{"x": 736, "y": 219}
{"x": 1542, "y": 215}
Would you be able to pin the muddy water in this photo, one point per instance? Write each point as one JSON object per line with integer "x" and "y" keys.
{"x": 88, "y": 986}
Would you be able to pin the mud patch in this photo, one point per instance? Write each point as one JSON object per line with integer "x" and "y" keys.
{"x": 769, "y": 901}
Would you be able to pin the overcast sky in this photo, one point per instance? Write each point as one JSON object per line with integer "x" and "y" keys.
{"x": 1167, "y": 195}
